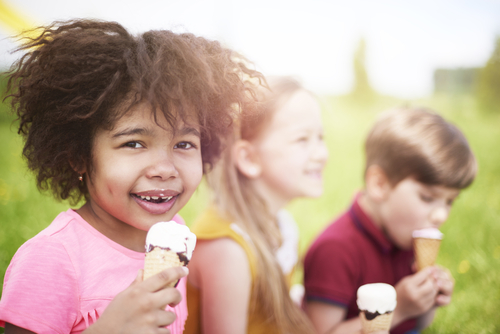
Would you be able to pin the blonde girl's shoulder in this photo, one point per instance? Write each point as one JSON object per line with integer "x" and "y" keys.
{"x": 218, "y": 258}
{"x": 220, "y": 270}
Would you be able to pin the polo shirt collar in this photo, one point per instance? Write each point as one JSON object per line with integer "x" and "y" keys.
{"x": 366, "y": 225}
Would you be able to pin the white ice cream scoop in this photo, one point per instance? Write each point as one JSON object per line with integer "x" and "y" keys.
{"x": 428, "y": 233}
{"x": 377, "y": 297}
{"x": 172, "y": 236}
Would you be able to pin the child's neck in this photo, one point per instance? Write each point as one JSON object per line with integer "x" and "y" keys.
{"x": 117, "y": 231}
{"x": 370, "y": 208}
{"x": 274, "y": 201}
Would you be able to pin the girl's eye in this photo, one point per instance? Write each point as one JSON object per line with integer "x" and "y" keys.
{"x": 133, "y": 144}
{"x": 450, "y": 202}
{"x": 426, "y": 198}
{"x": 184, "y": 145}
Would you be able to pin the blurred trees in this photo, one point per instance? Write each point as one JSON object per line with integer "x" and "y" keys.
{"x": 488, "y": 85}
{"x": 362, "y": 91}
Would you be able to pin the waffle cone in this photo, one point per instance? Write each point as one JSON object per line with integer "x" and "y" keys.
{"x": 426, "y": 251}
{"x": 158, "y": 260}
{"x": 379, "y": 323}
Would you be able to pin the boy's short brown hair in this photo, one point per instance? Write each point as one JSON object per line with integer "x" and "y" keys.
{"x": 419, "y": 143}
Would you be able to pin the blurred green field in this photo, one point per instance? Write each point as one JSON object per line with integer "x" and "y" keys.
{"x": 471, "y": 249}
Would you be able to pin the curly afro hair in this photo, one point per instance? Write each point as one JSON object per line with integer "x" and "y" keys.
{"x": 80, "y": 76}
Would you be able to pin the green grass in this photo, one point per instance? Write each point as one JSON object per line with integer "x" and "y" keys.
{"x": 471, "y": 249}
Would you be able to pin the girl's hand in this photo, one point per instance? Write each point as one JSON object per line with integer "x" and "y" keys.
{"x": 416, "y": 294}
{"x": 141, "y": 307}
{"x": 445, "y": 283}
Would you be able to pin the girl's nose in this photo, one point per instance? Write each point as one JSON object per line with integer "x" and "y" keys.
{"x": 439, "y": 216}
{"x": 321, "y": 152}
{"x": 162, "y": 167}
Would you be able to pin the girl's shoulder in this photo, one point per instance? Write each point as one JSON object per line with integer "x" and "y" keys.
{"x": 222, "y": 240}
{"x": 57, "y": 233}
{"x": 70, "y": 237}
{"x": 212, "y": 225}
{"x": 53, "y": 245}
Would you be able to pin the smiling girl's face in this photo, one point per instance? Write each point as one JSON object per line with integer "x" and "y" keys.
{"x": 292, "y": 152}
{"x": 143, "y": 172}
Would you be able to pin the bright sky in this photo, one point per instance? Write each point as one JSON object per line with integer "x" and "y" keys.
{"x": 313, "y": 40}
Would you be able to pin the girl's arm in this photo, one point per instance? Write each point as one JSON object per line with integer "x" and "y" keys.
{"x": 141, "y": 307}
{"x": 138, "y": 309}
{"x": 220, "y": 270}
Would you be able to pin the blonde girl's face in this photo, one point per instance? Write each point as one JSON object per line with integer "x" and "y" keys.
{"x": 292, "y": 152}
{"x": 143, "y": 172}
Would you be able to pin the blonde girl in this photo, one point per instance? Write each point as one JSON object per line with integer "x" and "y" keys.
{"x": 240, "y": 272}
{"x": 127, "y": 123}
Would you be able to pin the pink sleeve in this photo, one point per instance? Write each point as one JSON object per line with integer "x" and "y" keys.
{"x": 179, "y": 220}
{"x": 40, "y": 291}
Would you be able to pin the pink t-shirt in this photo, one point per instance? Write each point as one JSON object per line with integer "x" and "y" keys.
{"x": 61, "y": 280}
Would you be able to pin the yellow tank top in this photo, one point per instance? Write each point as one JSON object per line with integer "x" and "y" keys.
{"x": 211, "y": 226}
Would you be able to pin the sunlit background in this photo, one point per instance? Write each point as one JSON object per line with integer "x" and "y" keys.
{"x": 360, "y": 57}
{"x": 313, "y": 40}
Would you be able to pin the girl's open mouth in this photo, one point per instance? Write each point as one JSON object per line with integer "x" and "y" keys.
{"x": 154, "y": 199}
{"x": 155, "y": 204}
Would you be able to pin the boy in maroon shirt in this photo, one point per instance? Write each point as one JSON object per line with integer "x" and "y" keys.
{"x": 417, "y": 163}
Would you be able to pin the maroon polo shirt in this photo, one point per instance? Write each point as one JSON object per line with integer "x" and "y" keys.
{"x": 350, "y": 252}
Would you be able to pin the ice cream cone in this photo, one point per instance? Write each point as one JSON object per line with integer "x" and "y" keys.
{"x": 168, "y": 244}
{"x": 158, "y": 260}
{"x": 378, "y": 300}
{"x": 426, "y": 251}
{"x": 379, "y": 323}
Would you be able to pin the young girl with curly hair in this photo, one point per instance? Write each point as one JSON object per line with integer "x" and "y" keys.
{"x": 129, "y": 123}
{"x": 247, "y": 248}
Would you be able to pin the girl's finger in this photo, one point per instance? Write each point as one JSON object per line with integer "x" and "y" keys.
{"x": 165, "y": 318}
{"x": 168, "y": 296}
{"x": 163, "y": 331}
{"x": 162, "y": 279}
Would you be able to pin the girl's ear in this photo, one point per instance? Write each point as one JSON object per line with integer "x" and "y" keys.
{"x": 78, "y": 169}
{"x": 377, "y": 183}
{"x": 246, "y": 159}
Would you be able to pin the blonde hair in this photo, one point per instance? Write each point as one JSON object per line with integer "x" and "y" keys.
{"x": 237, "y": 199}
{"x": 418, "y": 143}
